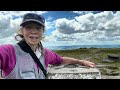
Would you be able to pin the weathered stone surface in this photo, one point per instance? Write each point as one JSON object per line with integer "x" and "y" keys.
{"x": 74, "y": 71}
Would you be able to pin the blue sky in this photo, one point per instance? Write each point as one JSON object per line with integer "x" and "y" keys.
{"x": 63, "y": 14}
{"x": 67, "y": 27}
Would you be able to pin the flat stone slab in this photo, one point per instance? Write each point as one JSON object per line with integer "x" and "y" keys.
{"x": 73, "y": 72}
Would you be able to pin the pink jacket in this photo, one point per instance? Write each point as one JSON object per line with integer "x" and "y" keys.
{"x": 8, "y": 58}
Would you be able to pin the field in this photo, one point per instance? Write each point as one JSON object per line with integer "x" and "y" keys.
{"x": 96, "y": 55}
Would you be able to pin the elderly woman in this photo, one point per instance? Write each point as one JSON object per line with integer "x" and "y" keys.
{"x": 27, "y": 59}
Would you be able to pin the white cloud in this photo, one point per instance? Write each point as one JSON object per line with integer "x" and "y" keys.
{"x": 8, "y": 25}
{"x": 82, "y": 12}
{"x": 49, "y": 18}
{"x": 49, "y": 25}
{"x": 67, "y": 26}
{"x": 20, "y": 13}
{"x": 89, "y": 28}
{"x": 8, "y": 40}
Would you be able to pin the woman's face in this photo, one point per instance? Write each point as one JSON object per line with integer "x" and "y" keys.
{"x": 32, "y": 33}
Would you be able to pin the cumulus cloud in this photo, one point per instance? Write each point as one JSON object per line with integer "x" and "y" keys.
{"x": 66, "y": 26}
{"x": 8, "y": 26}
{"x": 85, "y": 28}
{"x": 103, "y": 26}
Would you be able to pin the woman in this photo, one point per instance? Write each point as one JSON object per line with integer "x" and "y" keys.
{"x": 19, "y": 61}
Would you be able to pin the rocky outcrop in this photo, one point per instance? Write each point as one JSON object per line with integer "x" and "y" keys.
{"x": 111, "y": 58}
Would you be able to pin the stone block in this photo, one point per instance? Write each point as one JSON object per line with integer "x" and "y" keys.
{"x": 72, "y": 71}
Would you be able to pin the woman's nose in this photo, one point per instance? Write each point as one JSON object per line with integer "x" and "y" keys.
{"x": 34, "y": 31}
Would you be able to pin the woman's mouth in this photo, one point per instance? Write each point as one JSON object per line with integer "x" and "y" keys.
{"x": 33, "y": 38}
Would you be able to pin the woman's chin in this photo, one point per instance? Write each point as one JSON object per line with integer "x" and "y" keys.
{"x": 34, "y": 43}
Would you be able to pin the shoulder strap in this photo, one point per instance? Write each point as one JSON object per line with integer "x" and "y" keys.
{"x": 25, "y": 47}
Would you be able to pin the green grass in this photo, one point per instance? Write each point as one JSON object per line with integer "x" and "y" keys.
{"x": 95, "y": 55}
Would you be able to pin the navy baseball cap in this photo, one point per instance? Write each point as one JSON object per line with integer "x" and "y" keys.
{"x": 32, "y": 17}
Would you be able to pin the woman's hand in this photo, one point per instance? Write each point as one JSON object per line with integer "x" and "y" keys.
{"x": 0, "y": 77}
{"x": 68, "y": 60}
{"x": 87, "y": 63}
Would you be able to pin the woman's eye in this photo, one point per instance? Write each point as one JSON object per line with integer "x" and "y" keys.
{"x": 38, "y": 27}
{"x": 33, "y": 27}
{"x": 28, "y": 27}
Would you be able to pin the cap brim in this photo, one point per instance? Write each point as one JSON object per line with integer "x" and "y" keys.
{"x": 31, "y": 20}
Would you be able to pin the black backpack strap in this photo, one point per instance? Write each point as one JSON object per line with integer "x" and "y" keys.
{"x": 25, "y": 47}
